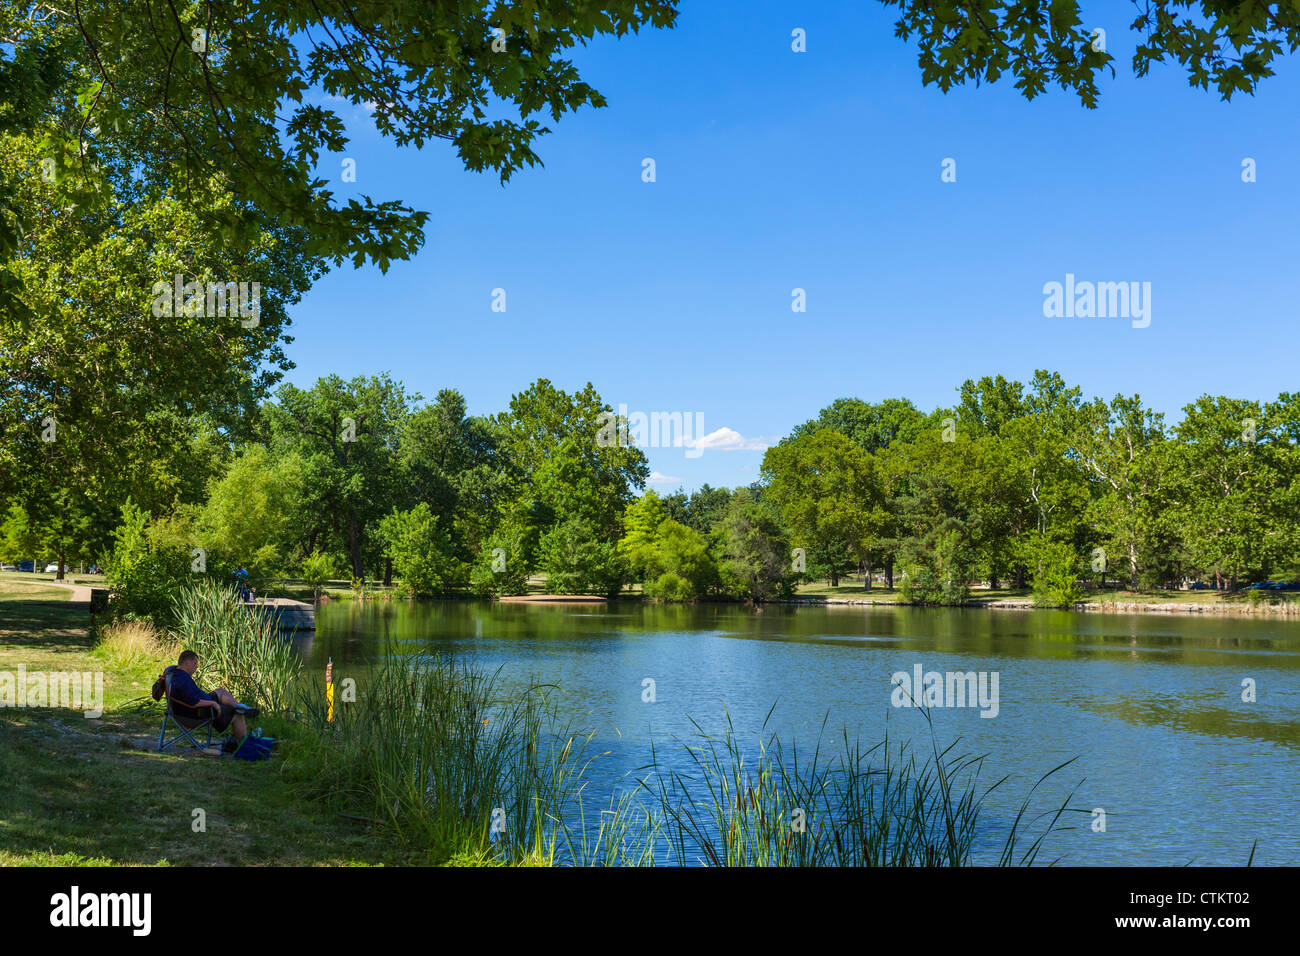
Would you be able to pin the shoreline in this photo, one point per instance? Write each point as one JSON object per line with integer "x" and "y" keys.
{"x": 1284, "y": 609}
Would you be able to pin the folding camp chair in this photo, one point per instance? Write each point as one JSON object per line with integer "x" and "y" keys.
{"x": 186, "y": 727}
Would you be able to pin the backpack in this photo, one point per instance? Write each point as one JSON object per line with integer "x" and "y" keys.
{"x": 159, "y": 686}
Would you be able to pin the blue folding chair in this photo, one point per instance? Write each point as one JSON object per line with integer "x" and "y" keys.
{"x": 186, "y": 726}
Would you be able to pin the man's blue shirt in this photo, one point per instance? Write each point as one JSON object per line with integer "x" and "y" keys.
{"x": 184, "y": 690}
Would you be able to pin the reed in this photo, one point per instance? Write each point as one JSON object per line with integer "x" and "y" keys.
{"x": 464, "y": 770}
{"x": 240, "y": 648}
{"x": 438, "y": 753}
{"x": 772, "y": 805}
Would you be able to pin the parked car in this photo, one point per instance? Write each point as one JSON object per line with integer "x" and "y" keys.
{"x": 52, "y": 568}
{"x": 8, "y": 567}
{"x": 26, "y": 565}
{"x": 1198, "y": 586}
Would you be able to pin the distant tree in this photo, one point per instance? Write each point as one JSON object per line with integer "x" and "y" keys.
{"x": 420, "y": 550}
{"x": 756, "y": 552}
{"x": 347, "y": 433}
{"x": 577, "y": 559}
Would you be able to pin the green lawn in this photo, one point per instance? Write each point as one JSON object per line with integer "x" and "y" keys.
{"x": 94, "y": 792}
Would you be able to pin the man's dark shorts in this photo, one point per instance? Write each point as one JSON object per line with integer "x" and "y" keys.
{"x": 220, "y": 718}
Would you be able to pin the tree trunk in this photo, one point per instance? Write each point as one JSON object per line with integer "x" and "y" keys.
{"x": 63, "y": 563}
{"x": 388, "y": 572}
{"x": 889, "y": 574}
{"x": 354, "y": 547}
{"x": 835, "y": 579}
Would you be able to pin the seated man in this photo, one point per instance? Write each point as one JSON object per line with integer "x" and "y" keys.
{"x": 188, "y": 701}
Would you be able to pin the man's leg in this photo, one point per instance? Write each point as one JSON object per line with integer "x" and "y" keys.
{"x": 225, "y": 697}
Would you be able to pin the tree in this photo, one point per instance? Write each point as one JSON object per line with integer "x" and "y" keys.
{"x": 109, "y": 395}
{"x": 564, "y": 467}
{"x": 828, "y": 491}
{"x": 1229, "y": 45}
{"x": 253, "y": 509}
{"x": 167, "y": 93}
{"x": 1121, "y": 445}
{"x": 1227, "y": 472}
{"x": 577, "y": 559}
{"x": 873, "y": 427}
{"x": 453, "y": 462}
{"x": 347, "y": 433}
{"x": 670, "y": 558}
{"x": 756, "y": 554}
{"x": 420, "y": 550}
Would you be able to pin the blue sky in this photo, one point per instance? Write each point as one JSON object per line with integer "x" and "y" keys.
{"x": 821, "y": 170}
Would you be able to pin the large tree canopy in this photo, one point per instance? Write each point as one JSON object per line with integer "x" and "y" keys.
{"x": 166, "y": 92}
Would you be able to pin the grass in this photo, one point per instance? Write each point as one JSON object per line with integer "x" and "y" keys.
{"x": 94, "y": 792}
{"x": 852, "y": 806}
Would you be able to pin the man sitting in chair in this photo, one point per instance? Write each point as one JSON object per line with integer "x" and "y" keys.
{"x": 188, "y": 701}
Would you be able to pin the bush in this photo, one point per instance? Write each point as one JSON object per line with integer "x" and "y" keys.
{"x": 670, "y": 587}
{"x": 143, "y": 576}
{"x": 502, "y": 566}
{"x": 938, "y": 574}
{"x": 317, "y": 569}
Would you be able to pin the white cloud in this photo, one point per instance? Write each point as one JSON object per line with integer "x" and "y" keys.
{"x": 658, "y": 479}
{"x": 728, "y": 439}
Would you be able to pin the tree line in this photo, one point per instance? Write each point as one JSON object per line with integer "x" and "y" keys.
{"x": 1017, "y": 485}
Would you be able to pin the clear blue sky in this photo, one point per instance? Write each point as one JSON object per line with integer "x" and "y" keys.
{"x": 821, "y": 170}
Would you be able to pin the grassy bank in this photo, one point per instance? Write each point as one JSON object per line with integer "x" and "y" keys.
{"x": 94, "y": 792}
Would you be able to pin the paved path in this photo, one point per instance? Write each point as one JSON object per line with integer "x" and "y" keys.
{"x": 80, "y": 592}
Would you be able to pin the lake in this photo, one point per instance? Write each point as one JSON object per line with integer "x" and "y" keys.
{"x": 1151, "y": 705}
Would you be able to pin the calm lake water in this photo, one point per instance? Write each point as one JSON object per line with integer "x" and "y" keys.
{"x": 1151, "y": 705}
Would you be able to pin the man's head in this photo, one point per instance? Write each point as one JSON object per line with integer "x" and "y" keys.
{"x": 188, "y": 662}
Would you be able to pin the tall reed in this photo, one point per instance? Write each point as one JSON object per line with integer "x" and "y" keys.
{"x": 239, "y": 647}
{"x": 435, "y": 750}
{"x": 876, "y": 806}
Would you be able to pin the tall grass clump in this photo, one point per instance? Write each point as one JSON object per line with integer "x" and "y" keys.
{"x": 876, "y": 806}
{"x": 131, "y": 644}
{"x": 240, "y": 648}
{"x": 448, "y": 760}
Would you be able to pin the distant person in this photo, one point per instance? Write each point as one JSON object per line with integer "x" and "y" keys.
{"x": 189, "y": 701}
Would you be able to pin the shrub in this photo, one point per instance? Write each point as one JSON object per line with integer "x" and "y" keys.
{"x": 502, "y": 565}
{"x": 317, "y": 569}
{"x": 420, "y": 551}
{"x": 143, "y": 576}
